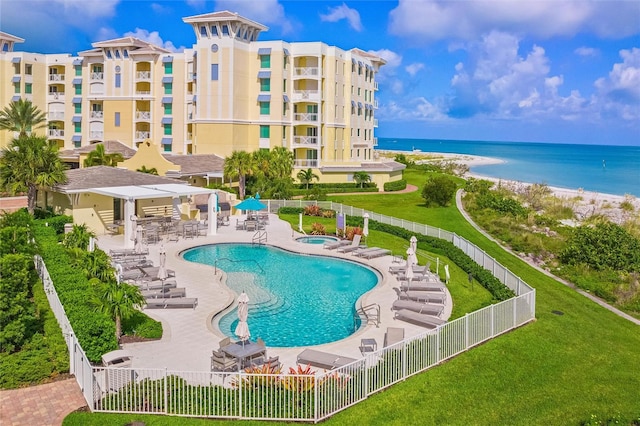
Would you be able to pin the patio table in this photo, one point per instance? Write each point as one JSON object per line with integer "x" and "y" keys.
{"x": 243, "y": 352}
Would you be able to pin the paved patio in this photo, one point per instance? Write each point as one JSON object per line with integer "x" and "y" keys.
{"x": 189, "y": 335}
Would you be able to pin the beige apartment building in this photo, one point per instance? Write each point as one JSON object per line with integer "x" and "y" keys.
{"x": 227, "y": 92}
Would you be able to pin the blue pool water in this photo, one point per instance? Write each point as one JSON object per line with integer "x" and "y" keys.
{"x": 295, "y": 299}
{"x": 316, "y": 239}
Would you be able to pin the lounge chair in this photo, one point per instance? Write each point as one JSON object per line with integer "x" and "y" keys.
{"x": 377, "y": 253}
{"x": 420, "y": 307}
{"x": 152, "y": 271}
{"x": 336, "y": 244}
{"x": 156, "y": 284}
{"x": 166, "y": 293}
{"x": 393, "y": 335}
{"x": 363, "y": 250}
{"x": 179, "y": 302}
{"x": 355, "y": 245}
{"x": 422, "y": 286}
{"x": 424, "y": 320}
{"x": 323, "y": 359}
{"x": 403, "y": 269}
{"x": 424, "y": 296}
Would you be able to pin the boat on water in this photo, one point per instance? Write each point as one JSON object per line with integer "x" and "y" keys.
{"x": 415, "y": 150}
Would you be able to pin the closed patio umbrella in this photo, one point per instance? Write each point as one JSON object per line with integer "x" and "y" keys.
{"x": 411, "y": 257}
{"x": 162, "y": 265}
{"x": 413, "y": 243}
{"x": 365, "y": 226}
{"x": 138, "y": 246}
{"x": 242, "y": 329}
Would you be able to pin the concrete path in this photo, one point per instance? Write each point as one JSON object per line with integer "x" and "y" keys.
{"x": 41, "y": 405}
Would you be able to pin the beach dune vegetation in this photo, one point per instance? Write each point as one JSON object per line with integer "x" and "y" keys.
{"x": 439, "y": 190}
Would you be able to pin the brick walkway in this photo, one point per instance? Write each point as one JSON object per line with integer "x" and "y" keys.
{"x": 42, "y": 405}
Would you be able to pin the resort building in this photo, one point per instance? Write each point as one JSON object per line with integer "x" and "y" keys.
{"x": 227, "y": 92}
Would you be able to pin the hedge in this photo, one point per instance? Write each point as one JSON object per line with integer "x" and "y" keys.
{"x": 336, "y": 185}
{"x": 397, "y": 185}
{"x": 95, "y": 331}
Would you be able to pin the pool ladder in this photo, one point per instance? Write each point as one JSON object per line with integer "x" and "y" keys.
{"x": 369, "y": 314}
{"x": 259, "y": 237}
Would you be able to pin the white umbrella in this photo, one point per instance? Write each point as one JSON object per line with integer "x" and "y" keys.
{"x": 411, "y": 257}
{"x": 446, "y": 274}
{"x": 162, "y": 266}
{"x": 119, "y": 272}
{"x": 365, "y": 227}
{"x": 413, "y": 243}
{"x": 138, "y": 247}
{"x": 409, "y": 274}
{"x": 242, "y": 329}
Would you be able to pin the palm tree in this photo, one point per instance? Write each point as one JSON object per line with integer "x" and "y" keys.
{"x": 29, "y": 162}
{"x": 262, "y": 162}
{"x": 120, "y": 301}
{"x": 361, "y": 178}
{"x": 21, "y": 116}
{"x": 98, "y": 157}
{"x": 239, "y": 164}
{"x": 306, "y": 176}
{"x": 79, "y": 237}
{"x": 281, "y": 163}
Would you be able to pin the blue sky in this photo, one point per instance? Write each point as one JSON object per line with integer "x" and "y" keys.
{"x": 565, "y": 71}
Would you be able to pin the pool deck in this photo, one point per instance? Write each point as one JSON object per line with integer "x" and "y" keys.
{"x": 189, "y": 335}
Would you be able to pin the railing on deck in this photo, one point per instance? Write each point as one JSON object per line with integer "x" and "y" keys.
{"x": 309, "y": 398}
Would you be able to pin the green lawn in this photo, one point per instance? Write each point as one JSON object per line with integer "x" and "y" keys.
{"x": 560, "y": 369}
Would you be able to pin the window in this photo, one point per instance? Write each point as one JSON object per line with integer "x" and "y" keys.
{"x": 27, "y": 88}
{"x": 358, "y": 91}
{"x": 168, "y": 110}
{"x": 78, "y": 89}
{"x": 214, "y": 30}
{"x": 108, "y": 54}
{"x": 16, "y": 87}
{"x": 78, "y": 70}
{"x": 125, "y": 53}
{"x": 5, "y": 47}
{"x": 168, "y": 67}
{"x": 117, "y": 54}
{"x": 284, "y": 85}
{"x": 203, "y": 30}
{"x": 118, "y": 81}
{"x": 264, "y": 131}
{"x": 167, "y": 147}
{"x": 214, "y": 72}
{"x": 225, "y": 29}
{"x": 265, "y": 61}
{"x": 97, "y": 68}
{"x": 77, "y": 108}
{"x": 265, "y": 84}
{"x": 265, "y": 108}
{"x": 78, "y": 144}
{"x": 28, "y": 69}
{"x": 117, "y": 119}
{"x": 77, "y": 127}
{"x": 167, "y": 129}
{"x": 168, "y": 88}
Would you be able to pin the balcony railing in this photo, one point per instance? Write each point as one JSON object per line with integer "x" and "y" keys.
{"x": 306, "y": 95}
{"x": 310, "y": 116}
{"x": 375, "y": 85}
{"x": 189, "y": 137}
{"x": 375, "y": 122}
{"x": 191, "y": 76}
{"x": 375, "y": 104}
{"x": 56, "y": 96}
{"x": 143, "y": 135}
{"x": 143, "y": 115}
{"x": 143, "y": 75}
{"x": 56, "y": 77}
{"x": 143, "y": 92}
{"x": 305, "y": 163}
{"x": 359, "y": 142}
{"x": 96, "y": 134}
{"x": 57, "y": 115}
{"x": 97, "y": 114}
{"x": 305, "y": 140}
{"x": 97, "y": 76}
{"x": 56, "y": 133}
{"x": 306, "y": 72}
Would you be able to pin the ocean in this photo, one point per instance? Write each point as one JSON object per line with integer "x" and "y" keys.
{"x": 598, "y": 168}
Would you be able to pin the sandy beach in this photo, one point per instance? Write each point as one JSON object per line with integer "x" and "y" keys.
{"x": 584, "y": 203}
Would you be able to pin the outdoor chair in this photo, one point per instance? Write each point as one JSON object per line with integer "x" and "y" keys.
{"x": 423, "y": 320}
{"x": 362, "y": 250}
{"x": 355, "y": 245}
{"x": 164, "y": 293}
{"x": 336, "y": 244}
{"x": 260, "y": 342}
{"x": 220, "y": 362}
{"x": 422, "y": 286}
{"x": 375, "y": 253}
{"x": 424, "y": 296}
{"x": 393, "y": 335}
{"x": 323, "y": 359}
{"x": 420, "y": 307}
{"x": 225, "y": 342}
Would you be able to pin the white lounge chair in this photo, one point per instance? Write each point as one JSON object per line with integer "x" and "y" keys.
{"x": 421, "y": 286}
{"x": 424, "y": 296}
{"x": 420, "y": 307}
{"x": 375, "y": 253}
{"x": 166, "y": 293}
{"x": 424, "y": 320}
{"x": 336, "y": 244}
{"x": 179, "y": 302}
{"x": 393, "y": 335}
{"x": 323, "y": 359}
{"x": 355, "y": 245}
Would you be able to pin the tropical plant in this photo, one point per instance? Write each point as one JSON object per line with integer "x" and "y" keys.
{"x": 17, "y": 313}
{"x": 306, "y": 177}
{"x": 78, "y": 237}
{"x": 151, "y": 171}
{"x": 238, "y": 165}
{"x": 29, "y": 162}
{"x": 99, "y": 157}
{"x": 22, "y": 116}
{"x": 119, "y": 301}
{"x": 281, "y": 163}
{"x": 361, "y": 178}
{"x": 318, "y": 229}
{"x": 439, "y": 190}
{"x": 96, "y": 264}
{"x": 312, "y": 210}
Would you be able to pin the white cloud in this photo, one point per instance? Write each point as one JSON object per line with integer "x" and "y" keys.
{"x": 413, "y": 109}
{"x": 393, "y": 59}
{"x": 105, "y": 33}
{"x": 343, "y": 12}
{"x": 413, "y": 69}
{"x": 619, "y": 92}
{"x": 586, "y": 51}
{"x": 152, "y": 37}
{"x": 466, "y": 20}
{"x": 268, "y": 12}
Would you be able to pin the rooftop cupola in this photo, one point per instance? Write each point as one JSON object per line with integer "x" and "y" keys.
{"x": 224, "y": 24}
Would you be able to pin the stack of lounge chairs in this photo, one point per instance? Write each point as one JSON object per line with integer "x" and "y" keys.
{"x": 323, "y": 360}
{"x": 136, "y": 269}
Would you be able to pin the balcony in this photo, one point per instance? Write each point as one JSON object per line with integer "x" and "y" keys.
{"x": 191, "y": 76}
{"x": 306, "y": 95}
{"x": 96, "y": 135}
{"x": 55, "y": 96}
{"x": 143, "y": 92}
{"x": 143, "y": 115}
{"x": 305, "y": 140}
{"x": 56, "y": 78}
{"x": 305, "y": 164}
{"x": 97, "y": 114}
{"x": 140, "y": 136}
{"x": 375, "y": 122}
{"x": 375, "y": 85}
{"x": 307, "y": 117}
{"x": 375, "y": 104}
{"x": 189, "y": 137}
{"x": 143, "y": 75}
{"x": 56, "y": 133}
{"x": 57, "y": 115}
{"x": 375, "y": 141}
{"x": 306, "y": 72}
{"x": 96, "y": 76}
{"x": 359, "y": 142}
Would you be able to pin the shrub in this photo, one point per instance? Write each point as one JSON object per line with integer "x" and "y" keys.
{"x": 353, "y": 231}
{"x": 290, "y": 210}
{"x": 312, "y": 210}
{"x": 397, "y": 185}
{"x": 17, "y": 312}
{"x": 58, "y": 222}
{"x": 496, "y": 201}
{"x": 317, "y": 229}
{"x": 328, "y": 213}
{"x": 439, "y": 190}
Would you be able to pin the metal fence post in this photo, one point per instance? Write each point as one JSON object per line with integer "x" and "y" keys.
{"x": 166, "y": 391}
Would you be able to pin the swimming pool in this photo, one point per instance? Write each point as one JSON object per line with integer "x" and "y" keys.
{"x": 295, "y": 299}
{"x": 316, "y": 239}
